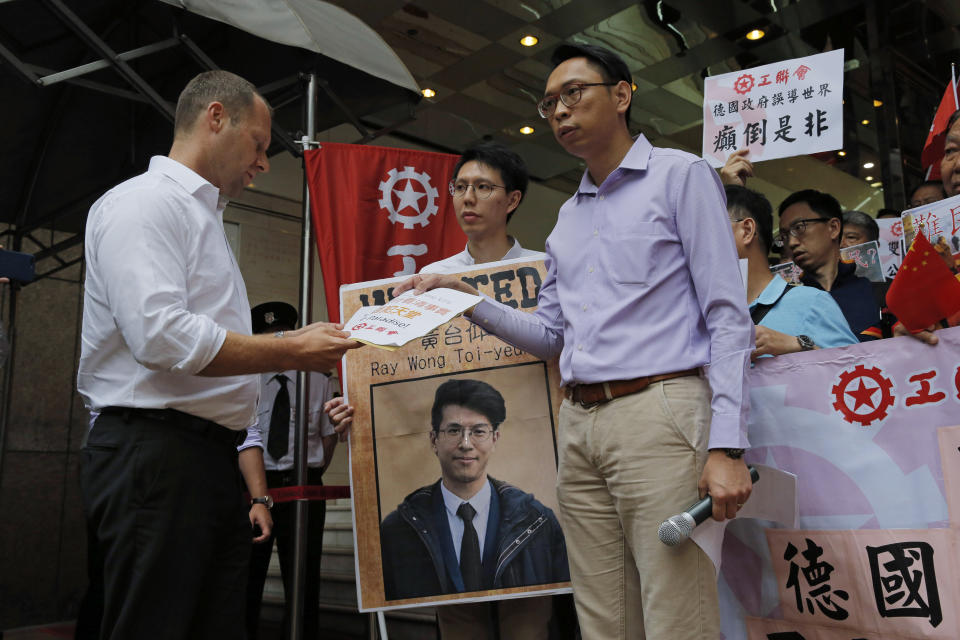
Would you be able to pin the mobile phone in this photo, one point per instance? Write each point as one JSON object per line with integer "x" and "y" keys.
{"x": 17, "y": 266}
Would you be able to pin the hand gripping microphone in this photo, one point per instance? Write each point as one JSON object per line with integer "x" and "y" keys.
{"x": 679, "y": 527}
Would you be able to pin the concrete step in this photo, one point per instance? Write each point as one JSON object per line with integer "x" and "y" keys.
{"x": 338, "y": 534}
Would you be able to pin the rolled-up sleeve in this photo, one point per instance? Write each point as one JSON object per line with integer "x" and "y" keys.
{"x": 142, "y": 252}
{"x": 704, "y": 230}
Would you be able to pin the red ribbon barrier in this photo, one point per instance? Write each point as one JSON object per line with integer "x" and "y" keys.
{"x": 308, "y": 492}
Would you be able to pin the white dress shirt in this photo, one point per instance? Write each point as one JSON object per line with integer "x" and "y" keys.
{"x": 463, "y": 261}
{"x": 318, "y": 423}
{"x": 162, "y": 289}
{"x": 480, "y": 503}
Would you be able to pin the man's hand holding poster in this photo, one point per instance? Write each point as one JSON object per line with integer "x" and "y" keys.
{"x": 455, "y": 416}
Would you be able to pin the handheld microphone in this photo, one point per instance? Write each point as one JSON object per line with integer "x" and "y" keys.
{"x": 679, "y": 527}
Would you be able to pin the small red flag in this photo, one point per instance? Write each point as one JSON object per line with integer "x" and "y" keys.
{"x": 933, "y": 148}
{"x": 925, "y": 291}
{"x": 379, "y": 212}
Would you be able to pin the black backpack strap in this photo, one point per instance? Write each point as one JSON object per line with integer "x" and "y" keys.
{"x": 761, "y": 310}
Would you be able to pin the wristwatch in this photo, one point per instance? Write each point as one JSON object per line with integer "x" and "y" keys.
{"x": 806, "y": 344}
{"x": 267, "y": 500}
{"x": 733, "y": 454}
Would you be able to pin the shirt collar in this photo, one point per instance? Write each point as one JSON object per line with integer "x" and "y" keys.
{"x": 191, "y": 181}
{"x": 480, "y": 501}
{"x": 771, "y": 292}
{"x": 637, "y": 158}
{"x": 514, "y": 252}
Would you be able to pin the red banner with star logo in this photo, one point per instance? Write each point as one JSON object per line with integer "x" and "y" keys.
{"x": 379, "y": 212}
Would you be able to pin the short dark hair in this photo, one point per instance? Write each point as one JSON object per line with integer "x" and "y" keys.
{"x": 511, "y": 166}
{"x": 754, "y": 205}
{"x": 953, "y": 119}
{"x": 229, "y": 89}
{"x": 888, "y": 213}
{"x": 472, "y": 394}
{"x": 864, "y": 221}
{"x": 823, "y": 204}
{"x": 608, "y": 64}
{"x": 936, "y": 184}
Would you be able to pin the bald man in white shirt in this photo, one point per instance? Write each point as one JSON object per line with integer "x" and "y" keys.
{"x": 167, "y": 361}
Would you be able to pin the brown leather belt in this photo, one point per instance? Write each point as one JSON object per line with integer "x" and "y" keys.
{"x": 596, "y": 393}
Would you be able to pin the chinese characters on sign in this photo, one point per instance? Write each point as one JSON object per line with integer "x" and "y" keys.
{"x": 905, "y": 582}
{"x": 778, "y": 110}
{"x": 816, "y": 582}
{"x": 940, "y": 222}
{"x": 886, "y": 583}
{"x": 408, "y": 317}
{"x": 864, "y": 395}
{"x": 891, "y": 245}
{"x": 867, "y": 258}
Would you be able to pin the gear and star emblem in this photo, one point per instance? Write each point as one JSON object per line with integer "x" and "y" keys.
{"x": 409, "y": 197}
{"x": 862, "y": 387}
{"x": 743, "y": 84}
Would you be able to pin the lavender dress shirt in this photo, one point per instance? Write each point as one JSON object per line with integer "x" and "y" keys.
{"x": 642, "y": 279}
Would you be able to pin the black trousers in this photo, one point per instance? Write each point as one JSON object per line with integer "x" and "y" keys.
{"x": 283, "y": 529}
{"x": 165, "y": 500}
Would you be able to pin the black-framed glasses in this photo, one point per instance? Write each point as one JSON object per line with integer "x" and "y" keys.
{"x": 482, "y": 190}
{"x": 569, "y": 96}
{"x": 797, "y": 229}
{"x": 477, "y": 433}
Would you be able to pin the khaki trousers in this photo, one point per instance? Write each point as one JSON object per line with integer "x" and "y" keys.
{"x": 624, "y": 467}
{"x": 519, "y": 619}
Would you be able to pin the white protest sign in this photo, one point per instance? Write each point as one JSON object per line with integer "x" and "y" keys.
{"x": 867, "y": 258}
{"x": 940, "y": 222}
{"x": 407, "y": 317}
{"x": 891, "y": 245}
{"x": 788, "y": 108}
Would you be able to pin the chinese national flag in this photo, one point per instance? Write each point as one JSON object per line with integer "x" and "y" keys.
{"x": 925, "y": 291}
{"x": 933, "y": 148}
{"x": 379, "y": 212}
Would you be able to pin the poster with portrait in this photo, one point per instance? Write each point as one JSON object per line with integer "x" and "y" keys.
{"x": 452, "y": 411}
{"x": 867, "y": 259}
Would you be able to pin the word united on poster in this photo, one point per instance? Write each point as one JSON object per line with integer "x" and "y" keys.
{"x": 788, "y": 108}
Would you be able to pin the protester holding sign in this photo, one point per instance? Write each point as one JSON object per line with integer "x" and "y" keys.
{"x": 642, "y": 291}
{"x": 811, "y": 223}
{"x": 488, "y": 185}
{"x": 789, "y": 318}
{"x": 483, "y": 209}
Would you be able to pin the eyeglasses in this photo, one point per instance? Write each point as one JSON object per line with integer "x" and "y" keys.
{"x": 482, "y": 190}
{"x": 478, "y": 432}
{"x": 797, "y": 229}
{"x": 569, "y": 96}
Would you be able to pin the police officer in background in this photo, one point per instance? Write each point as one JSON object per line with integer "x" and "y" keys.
{"x": 276, "y": 420}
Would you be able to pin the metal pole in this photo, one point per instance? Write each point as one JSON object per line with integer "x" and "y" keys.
{"x": 295, "y": 598}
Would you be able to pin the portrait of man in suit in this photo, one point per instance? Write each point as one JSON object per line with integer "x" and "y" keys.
{"x": 469, "y": 532}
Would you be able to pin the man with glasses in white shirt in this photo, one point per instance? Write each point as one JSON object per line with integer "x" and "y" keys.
{"x": 168, "y": 363}
{"x": 488, "y": 184}
{"x": 468, "y": 532}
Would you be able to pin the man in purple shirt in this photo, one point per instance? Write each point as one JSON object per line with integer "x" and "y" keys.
{"x": 644, "y": 304}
